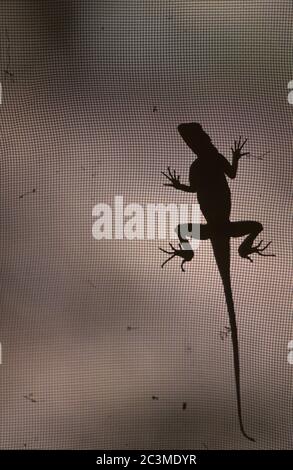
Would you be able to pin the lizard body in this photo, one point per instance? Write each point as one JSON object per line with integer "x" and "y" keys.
{"x": 207, "y": 178}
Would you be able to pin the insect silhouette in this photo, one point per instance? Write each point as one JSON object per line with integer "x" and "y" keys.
{"x": 7, "y": 71}
{"x": 207, "y": 178}
{"x": 224, "y": 333}
{"x": 30, "y": 398}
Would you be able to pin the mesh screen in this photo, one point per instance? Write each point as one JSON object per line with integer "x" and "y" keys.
{"x": 100, "y": 346}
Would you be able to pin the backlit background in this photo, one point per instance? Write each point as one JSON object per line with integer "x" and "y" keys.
{"x": 92, "y": 331}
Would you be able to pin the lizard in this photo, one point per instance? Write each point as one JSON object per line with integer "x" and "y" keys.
{"x": 207, "y": 178}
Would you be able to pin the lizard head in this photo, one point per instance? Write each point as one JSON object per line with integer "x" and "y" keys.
{"x": 195, "y": 137}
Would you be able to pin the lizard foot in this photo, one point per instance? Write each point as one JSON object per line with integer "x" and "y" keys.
{"x": 187, "y": 255}
{"x": 244, "y": 252}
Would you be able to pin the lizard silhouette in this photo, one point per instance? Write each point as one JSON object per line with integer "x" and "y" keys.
{"x": 207, "y": 178}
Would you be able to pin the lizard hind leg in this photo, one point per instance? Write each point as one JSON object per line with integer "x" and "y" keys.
{"x": 187, "y": 255}
{"x": 251, "y": 229}
{"x": 185, "y": 232}
{"x": 257, "y": 250}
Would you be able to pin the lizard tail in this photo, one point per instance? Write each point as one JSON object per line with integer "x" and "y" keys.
{"x": 221, "y": 248}
{"x": 234, "y": 335}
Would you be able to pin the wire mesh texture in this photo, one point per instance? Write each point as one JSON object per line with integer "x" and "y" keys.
{"x": 101, "y": 348}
